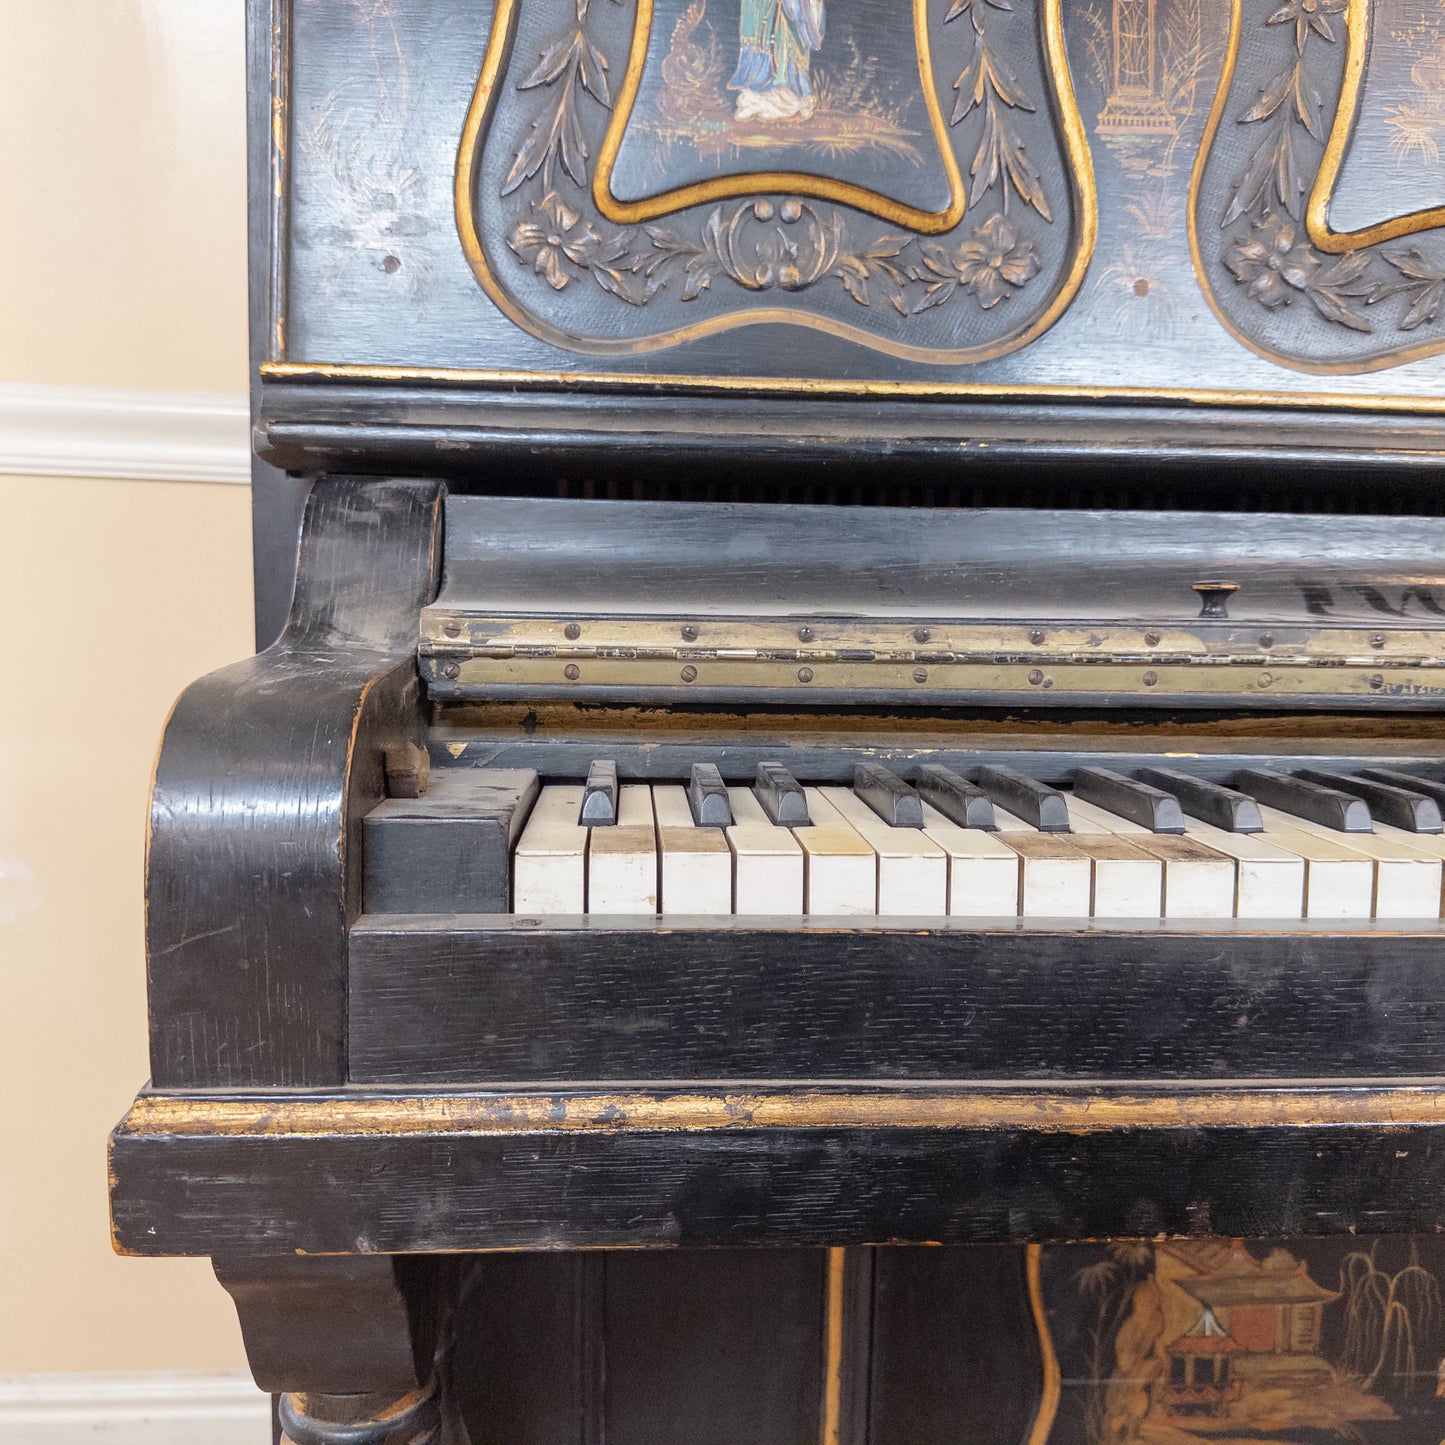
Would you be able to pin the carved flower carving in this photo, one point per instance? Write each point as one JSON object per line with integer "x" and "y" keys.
{"x": 1274, "y": 262}
{"x": 990, "y": 266}
{"x": 558, "y": 234}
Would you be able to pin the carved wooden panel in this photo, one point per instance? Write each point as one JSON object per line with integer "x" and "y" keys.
{"x": 1191, "y": 199}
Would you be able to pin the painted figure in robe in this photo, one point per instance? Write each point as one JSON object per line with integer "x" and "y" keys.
{"x": 778, "y": 38}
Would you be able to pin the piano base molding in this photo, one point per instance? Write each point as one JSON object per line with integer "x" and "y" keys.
{"x": 341, "y": 1173}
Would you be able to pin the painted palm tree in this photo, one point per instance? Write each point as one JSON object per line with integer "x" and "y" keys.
{"x": 777, "y": 40}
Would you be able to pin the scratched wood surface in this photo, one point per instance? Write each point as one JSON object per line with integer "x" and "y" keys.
{"x": 253, "y": 866}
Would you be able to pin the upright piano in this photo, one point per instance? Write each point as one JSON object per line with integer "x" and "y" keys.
{"x": 836, "y": 836}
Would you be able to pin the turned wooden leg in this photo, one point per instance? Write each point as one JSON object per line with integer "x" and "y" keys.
{"x": 347, "y": 1344}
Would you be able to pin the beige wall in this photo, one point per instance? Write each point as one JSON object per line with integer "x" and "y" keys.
{"x": 123, "y": 253}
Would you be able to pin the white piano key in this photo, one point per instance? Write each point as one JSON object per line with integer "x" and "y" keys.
{"x": 549, "y": 868}
{"x": 695, "y": 864}
{"x": 1198, "y": 882}
{"x": 622, "y": 859}
{"x": 1407, "y": 879}
{"x": 767, "y": 860}
{"x": 1127, "y": 881}
{"x": 1339, "y": 882}
{"x": 840, "y": 870}
{"x": 912, "y": 868}
{"x": 983, "y": 872}
{"x": 1269, "y": 880}
{"x": 1055, "y": 877}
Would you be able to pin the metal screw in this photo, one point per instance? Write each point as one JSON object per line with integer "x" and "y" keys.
{"x": 1377, "y": 679}
{"x": 805, "y": 634}
{"x": 921, "y": 634}
{"x": 1150, "y": 678}
{"x": 1036, "y": 677}
{"x": 1378, "y": 640}
{"x": 1151, "y": 639}
{"x": 805, "y": 674}
{"x": 689, "y": 633}
{"x": 1266, "y": 679}
{"x": 1036, "y": 636}
{"x": 453, "y": 628}
{"x": 1266, "y": 639}
{"x": 452, "y": 671}
{"x": 571, "y": 672}
{"x": 1048, "y": 683}
{"x": 689, "y": 674}
{"x": 572, "y": 632}
{"x": 920, "y": 674}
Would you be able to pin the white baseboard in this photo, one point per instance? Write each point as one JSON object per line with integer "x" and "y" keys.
{"x": 133, "y": 1409}
{"x": 84, "y": 431}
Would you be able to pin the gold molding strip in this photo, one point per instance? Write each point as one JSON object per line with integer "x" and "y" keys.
{"x": 832, "y": 1411}
{"x": 825, "y": 188}
{"x": 1317, "y": 223}
{"x": 620, "y": 1112}
{"x": 819, "y": 388}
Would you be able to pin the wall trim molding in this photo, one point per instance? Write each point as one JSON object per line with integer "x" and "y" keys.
{"x": 141, "y": 1408}
{"x": 89, "y": 431}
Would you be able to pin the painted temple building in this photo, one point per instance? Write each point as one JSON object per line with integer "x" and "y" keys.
{"x": 1257, "y": 1325}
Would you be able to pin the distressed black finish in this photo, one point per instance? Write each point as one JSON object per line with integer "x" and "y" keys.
{"x": 454, "y": 1001}
{"x": 453, "y": 843}
{"x": 1225, "y": 808}
{"x": 266, "y": 768}
{"x": 755, "y": 1186}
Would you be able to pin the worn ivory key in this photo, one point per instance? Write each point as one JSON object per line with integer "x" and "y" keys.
{"x": 912, "y": 868}
{"x": 840, "y": 869}
{"x": 696, "y": 864}
{"x": 622, "y": 859}
{"x": 549, "y": 867}
{"x": 767, "y": 860}
{"x": 983, "y": 871}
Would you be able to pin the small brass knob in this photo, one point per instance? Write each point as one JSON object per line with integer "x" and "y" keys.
{"x": 1214, "y": 597}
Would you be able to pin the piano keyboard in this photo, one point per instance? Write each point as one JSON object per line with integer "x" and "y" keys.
{"x": 1276, "y": 846}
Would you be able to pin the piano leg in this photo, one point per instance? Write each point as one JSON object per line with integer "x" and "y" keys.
{"x": 346, "y": 1343}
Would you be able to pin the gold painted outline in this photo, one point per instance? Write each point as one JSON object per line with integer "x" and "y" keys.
{"x": 1075, "y": 1112}
{"x": 814, "y": 387}
{"x": 1401, "y": 356}
{"x": 1079, "y": 165}
{"x": 1317, "y": 223}
{"x": 831, "y": 1415}
{"x": 1053, "y": 1377}
{"x": 631, "y": 213}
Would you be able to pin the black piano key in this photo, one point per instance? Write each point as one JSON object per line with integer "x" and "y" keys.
{"x": 1026, "y": 798}
{"x": 1388, "y": 802}
{"x": 1209, "y": 802}
{"x": 1341, "y": 811}
{"x": 1138, "y": 802}
{"x": 599, "y": 799}
{"x": 782, "y": 798}
{"x": 955, "y": 797}
{"x": 888, "y": 795}
{"x": 707, "y": 795}
{"x": 1409, "y": 781}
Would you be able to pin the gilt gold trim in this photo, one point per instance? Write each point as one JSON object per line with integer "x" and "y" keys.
{"x": 1317, "y": 223}
{"x": 1052, "y": 1385}
{"x": 832, "y": 1412}
{"x": 1084, "y": 209}
{"x": 1079, "y": 1112}
{"x": 824, "y": 188}
{"x": 1356, "y": 53}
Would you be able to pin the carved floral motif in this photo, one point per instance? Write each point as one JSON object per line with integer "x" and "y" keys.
{"x": 761, "y": 244}
{"x": 1274, "y": 261}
